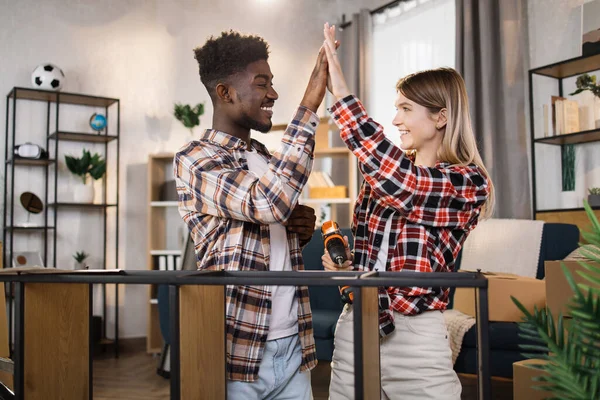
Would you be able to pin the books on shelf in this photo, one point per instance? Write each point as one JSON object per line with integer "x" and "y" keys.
{"x": 167, "y": 261}
{"x": 565, "y": 116}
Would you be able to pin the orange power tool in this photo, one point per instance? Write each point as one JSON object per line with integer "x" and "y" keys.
{"x": 336, "y": 247}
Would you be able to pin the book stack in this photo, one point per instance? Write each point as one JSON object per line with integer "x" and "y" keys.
{"x": 167, "y": 262}
{"x": 564, "y": 116}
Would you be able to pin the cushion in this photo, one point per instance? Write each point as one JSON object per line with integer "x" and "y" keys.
{"x": 324, "y": 322}
{"x": 503, "y": 336}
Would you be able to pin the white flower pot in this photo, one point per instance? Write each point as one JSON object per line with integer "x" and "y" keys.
{"x": 83, "y": 193}
{"x": 570, "y": 199}
{"x": 79, "y": 265}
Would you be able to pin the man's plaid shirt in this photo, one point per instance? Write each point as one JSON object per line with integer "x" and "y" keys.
{"x": 228, "y": 210}
{"x": 432, "y": 211}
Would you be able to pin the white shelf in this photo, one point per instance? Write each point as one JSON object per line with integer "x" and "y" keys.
{"x": 342, "y": 200}
{"x": 165, "y": 252}
{"x": 164, "y": 203}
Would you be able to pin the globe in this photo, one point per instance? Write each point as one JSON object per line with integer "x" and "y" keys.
{"x": 98, "y": 122}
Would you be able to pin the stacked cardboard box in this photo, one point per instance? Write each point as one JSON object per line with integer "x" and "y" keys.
{"x": 530, "y": 292}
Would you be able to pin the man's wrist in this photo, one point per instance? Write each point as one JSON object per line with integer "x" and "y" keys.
{"x": 309, "y": 105}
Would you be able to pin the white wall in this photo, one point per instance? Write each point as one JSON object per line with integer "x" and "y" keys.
{"x": 140, "y": 51}
{"x": 555, "y": 35}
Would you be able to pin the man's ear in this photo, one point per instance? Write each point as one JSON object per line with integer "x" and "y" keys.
{"x": 442, "y": 119}
{"x": 224, "y": 92}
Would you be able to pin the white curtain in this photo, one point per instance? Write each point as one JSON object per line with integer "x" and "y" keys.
{"x": 413, "y": 36}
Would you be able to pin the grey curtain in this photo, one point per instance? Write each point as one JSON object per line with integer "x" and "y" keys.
{"x": 355, "y": 57}
{"x": 491, "y": 55}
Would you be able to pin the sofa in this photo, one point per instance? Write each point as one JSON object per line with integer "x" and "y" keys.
{"x": 325, "y": 301}
{"x": 558, "y": 240}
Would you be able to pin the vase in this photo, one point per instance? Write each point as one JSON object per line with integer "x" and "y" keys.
{"x": 83, "y": 193}
{"x": 79, "y": 265}
{"x": 569, "y": 199}
{"x": 594, "y": 200}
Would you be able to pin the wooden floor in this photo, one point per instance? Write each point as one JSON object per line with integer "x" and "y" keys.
{"x": 133, "y": 377}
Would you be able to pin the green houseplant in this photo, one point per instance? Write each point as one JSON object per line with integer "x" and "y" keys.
{"x": 87, "y": 165}
{"x": 80, "y": 257}
{"x": 189, "y": 116}
{"x": 588, "y": 82}
{"x": 573, "y": 365}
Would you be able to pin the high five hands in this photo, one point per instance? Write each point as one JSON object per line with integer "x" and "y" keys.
{"x": 336, "y": 83}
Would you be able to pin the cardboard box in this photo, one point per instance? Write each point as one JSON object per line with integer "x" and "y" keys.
{"x": 333, "y": 192}
{"x": 529, "y": 291}
{"x": 560, "y": 293}
{"x": 523, "y": 383}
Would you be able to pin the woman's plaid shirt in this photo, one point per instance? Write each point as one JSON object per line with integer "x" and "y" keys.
{"x": 432, "y": 211}
{"x": 228, "y": 210}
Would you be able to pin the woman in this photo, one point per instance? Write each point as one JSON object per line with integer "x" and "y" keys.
{"x": 413, "y": 213}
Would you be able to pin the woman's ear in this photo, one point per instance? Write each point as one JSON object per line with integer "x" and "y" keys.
{"x": 442, "y": 119}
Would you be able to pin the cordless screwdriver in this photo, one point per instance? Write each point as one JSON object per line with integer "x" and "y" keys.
{"x": 336, "y": 247}
{"x": 334, "y": 242}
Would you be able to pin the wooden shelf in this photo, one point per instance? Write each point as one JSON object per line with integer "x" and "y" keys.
{"x": 592, "y": 135}
{"x": 334, "y": 151}
{"x": 82, "y": 137}
{"x": 164, "y": 203}
{"x": 344, "y": 200}
{"x": 61, "y": 97}
{"x": 165, "y": 252}
{"x": 27, "y": 228}
{"x": 556, "y": 210}
{"x": 81, "y": 205}
{"x": 571, "y": 67}
{"x": 30, "y": 162}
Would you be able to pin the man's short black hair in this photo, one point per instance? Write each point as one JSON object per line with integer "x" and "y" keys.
{"x": 226, "y": 55}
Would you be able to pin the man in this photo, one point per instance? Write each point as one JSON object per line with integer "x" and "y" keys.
{"x": 240, "y": 203}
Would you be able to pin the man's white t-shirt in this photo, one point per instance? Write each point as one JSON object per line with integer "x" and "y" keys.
{"x": 284, "y": 304}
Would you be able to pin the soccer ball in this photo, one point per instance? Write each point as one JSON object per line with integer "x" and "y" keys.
{"x": 47, "y": 76}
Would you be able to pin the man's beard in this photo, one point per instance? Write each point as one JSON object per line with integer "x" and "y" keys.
{"x": 255, "y": 125}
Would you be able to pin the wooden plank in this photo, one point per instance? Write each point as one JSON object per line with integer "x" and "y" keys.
{"x": 202, "y": 341}
{"x": 154, "y": 339}
{"x": 370, "y": 345}
{"x": 56, "y": 343}
{"x": 5, "y": 377}
{"x": 578, "y": 218}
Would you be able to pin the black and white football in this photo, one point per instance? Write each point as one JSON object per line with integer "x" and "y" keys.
{"x": 47, "y": 76}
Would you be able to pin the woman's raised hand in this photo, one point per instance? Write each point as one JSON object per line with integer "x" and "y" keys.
{"x": 336, "y": 82}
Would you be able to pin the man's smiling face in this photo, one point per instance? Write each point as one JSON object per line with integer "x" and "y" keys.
{"x": 255, "y": 96}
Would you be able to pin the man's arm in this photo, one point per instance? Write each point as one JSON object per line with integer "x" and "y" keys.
{"x": 206, "y": 184}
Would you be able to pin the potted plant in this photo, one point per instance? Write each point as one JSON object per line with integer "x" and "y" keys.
{"x": 587, "y": 82}
{"x": 188, "y": 116}
{"x": 88, "y": 164}
{"x": 573, "y": 360}
{"x": 80, "y": 257}
{"x": 594, "y": 197}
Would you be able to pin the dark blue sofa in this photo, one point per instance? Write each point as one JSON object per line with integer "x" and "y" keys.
{"x": 558, "y": 240}
{"x": 325, "y": 301}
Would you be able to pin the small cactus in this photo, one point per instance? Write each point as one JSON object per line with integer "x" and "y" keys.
{"x": 594, "y": 190}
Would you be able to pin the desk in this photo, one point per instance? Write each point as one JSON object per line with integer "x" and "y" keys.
{"x": 197, "y": 324}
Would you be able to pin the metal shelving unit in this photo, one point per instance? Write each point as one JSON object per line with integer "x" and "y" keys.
{"x": 50, "y": 228}
{"x": 559, "y": 71}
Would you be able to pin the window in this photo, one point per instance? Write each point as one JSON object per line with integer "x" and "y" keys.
{"x": 410, "y": 37}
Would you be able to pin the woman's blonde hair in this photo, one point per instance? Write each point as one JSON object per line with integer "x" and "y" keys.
{"x": 445, "y": 88}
